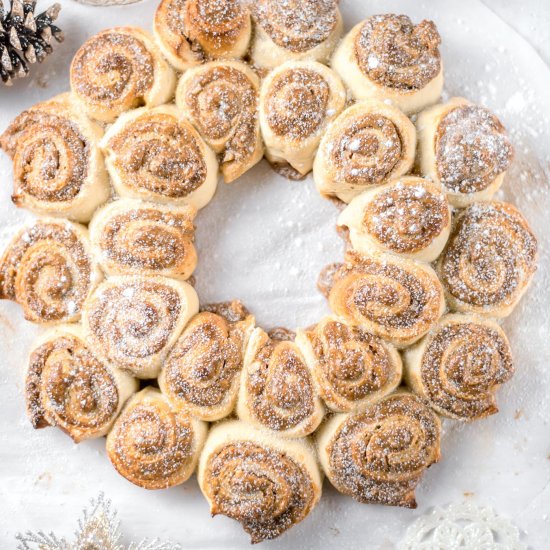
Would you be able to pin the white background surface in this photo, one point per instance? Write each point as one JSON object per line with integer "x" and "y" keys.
{"x": 264, "y": 240}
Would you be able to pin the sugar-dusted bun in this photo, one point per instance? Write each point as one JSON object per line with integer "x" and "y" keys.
{"x": 67, "y": 386}
{"x": 351, "y": 367}
{"x": 58, "y": 168}
{"x": 277, "y": 391}
{"x": 464, "y": 147}
{"x": 398, "y": 300}
{"x": 221, "y": 99}
{"x": 489, "y": 260}
{"x": 188, "y": 31}
{"x": 49, "y": 270}
{"x": 265, "y": 482}
{"x": 119, "y": 69}
{"x": 298, "y": 100}
{"x": 132, "y": 321}
{"x": 153, "y": 443}
{"x": 378, "y": 456}
{"x": 369, "y": 144}
{"x": 294, "y": 31}
{"x": 410, "y": 217}
{"x": 202, "y": 371}
{"x": 388, "y": 57}
{"x": 458, "y": 366}
{"x": 157, "y": 155}
{"x": 129, "y": 236}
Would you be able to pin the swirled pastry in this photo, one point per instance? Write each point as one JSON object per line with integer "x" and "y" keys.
{"x": 133, "y": 321}
{"x": 351, "y": 367}
{"x": 119, "y": 69}
{"x": 398, "y": 300}
{"x": 410, "y": 217}
{"x": 67, "y": 386}
{"x": 298, "y": 100}
{"x": 388, "y": 57}
{"x": 156, "y": 154}
{"x": 155, "y": 444}
{"x": 202, "y": 371}
{"x": 221, "y": 99}
{"x": 464, "y": 147}
{"x": 267, "y": 483}
{"x": 49, "y": 270}
{"x": 277, "y": 389}
{"x": 58, "y": 168}
{"x": 187, "y": 31}
{"x": 458, "y": 366}
{"x": 134, "y": 237}
{"x": 379, "y": 455}
{"x": 294, "y": 31}
{"x": 489, "y": 261}
{"x": 369, "y": 144}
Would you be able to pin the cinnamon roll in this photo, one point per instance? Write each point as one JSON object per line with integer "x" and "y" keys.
{"x": 388, "y": 57}
{"x": 369, "y": 144}
{"x": 410, "y": 217}
{"x": 379, "y": 455}
{"x": 156, "y": 154}
{"x": 49, "y": 270}
{"x": 398, "y": 300}
{"x": 221, "y": 99}
{"x": 277, "y": 389}
{"x": 351, "y": 367}
{"x": 267, "y": 483}
{"x": 298, "y": 100}
{"x": 153, "y": 443}
{"x": 294, "y": 31}
{"x": 465, "y": 148}
{"x": 188, "y": 31}
{"x": 458, "y": 366}
{"x": 202, "y": 371}
{"x": 119, "y": 69}
{"x": 132, "y": 321}
{"x": 67, "y": 386}
{"x": 489, "y": 260}
{"x": 58, "y": 168}
{"x": 134, "y": 237}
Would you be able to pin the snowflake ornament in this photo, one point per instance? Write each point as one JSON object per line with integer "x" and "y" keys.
{"x": 98, "y": 529}
{"x": 462, "y": 527}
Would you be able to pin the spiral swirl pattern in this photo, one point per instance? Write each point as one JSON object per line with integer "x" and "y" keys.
{"x": 133, "y": 237}
{"x": 261, "y": 487}
{"x": 351, "y": 366}
{"x": 158, "y": 153}
{"x": 68, "y": 387}
{"x": 471, "y": 149}
{"x": 152, "y": 444}
{"x": 379, "y": 455}
{"x": 462, "y": 365}
{"x": 396, "y": 300}
{"x": 49, "y": 271}
{"x": 113, "y": 70}
{"x": 221, "y": 98}
{"x": 298, "y": 25}
{"x": 489, "y": 260}
{"x": 395, "y": 53}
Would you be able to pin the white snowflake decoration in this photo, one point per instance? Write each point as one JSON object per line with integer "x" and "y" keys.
{"x": 98, "y": 529}
{"x": 462, "y": 527}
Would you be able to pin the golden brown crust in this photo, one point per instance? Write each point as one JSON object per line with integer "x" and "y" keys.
{"x": 379, "y": 455}
{"x": 48, "y": 269}
{"x": 489, "y": 260}
{"x": 393, "y": 52}
{"x": 471, "y": 149}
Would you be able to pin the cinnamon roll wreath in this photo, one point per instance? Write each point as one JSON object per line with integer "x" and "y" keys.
{"x": 413, "y": 333}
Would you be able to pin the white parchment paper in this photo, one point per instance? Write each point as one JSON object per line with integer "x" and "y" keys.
{"x": 264, "y": 240}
